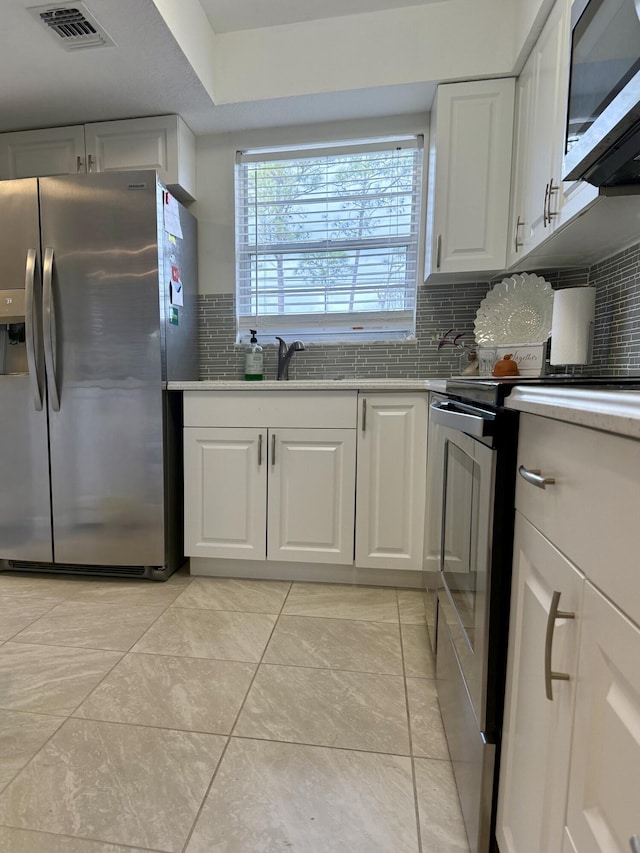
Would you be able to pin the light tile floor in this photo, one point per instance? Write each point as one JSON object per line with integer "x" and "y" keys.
{"x": 219, "y": 716}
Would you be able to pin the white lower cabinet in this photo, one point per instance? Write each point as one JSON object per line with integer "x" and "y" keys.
{"x": 228, "y": 520}
{"x": 311, "y": 495}
{"x": 603, "y": 810}
{"x": 570, "y": 765}
{"x": 537, "y": 731}
{"x": 392, "y": 461}
{"x": 277, "y": 494}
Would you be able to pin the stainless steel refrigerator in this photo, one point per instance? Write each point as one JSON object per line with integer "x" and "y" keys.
{"x": 97, "y": 312}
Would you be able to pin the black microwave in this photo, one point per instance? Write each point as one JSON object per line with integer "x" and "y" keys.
{"x": 602, "y": 144}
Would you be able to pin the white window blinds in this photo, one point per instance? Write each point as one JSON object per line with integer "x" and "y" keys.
{"x": 327, "y": 240}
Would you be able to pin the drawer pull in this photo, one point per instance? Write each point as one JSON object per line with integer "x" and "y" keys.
{"x": 273, "y": 449}
{"x": 364, "y": 414}
{"x": 260, "y": 450}
{"x": 534, "y": 477}
{"x": 549, "y": 674}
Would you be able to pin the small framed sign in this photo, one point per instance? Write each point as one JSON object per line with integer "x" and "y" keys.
{"x": 530, "y": 358}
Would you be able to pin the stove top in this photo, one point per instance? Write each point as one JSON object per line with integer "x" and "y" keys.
{"x": 493, "y": 390}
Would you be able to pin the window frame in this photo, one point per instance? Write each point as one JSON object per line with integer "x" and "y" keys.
{"x": 328, "y": 326}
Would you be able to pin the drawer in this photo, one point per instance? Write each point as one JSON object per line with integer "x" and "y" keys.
{"x": 591, "y": 513}
{"x": 319, "y": 409}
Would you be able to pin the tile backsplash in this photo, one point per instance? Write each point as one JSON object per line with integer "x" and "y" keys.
{"x": 440, "y": 307}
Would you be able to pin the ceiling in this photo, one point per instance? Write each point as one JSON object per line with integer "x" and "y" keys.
{"x": 232, "y": 15}
{"x": 146, "y": 72}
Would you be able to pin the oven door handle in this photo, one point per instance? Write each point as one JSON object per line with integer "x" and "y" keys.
{"x": 467, "y": 419}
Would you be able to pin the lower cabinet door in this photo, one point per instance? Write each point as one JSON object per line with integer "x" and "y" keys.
{"x": 534, "y": 767}
{"x": 392, "y": 463}
{"x": 603, "y": 810}
{"x": 225, "y": 492}
{"x": 311, "y": 495}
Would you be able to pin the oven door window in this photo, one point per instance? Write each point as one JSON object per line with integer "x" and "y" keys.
{"x": 604, "y": 57}
{"x": 467, "y": 520}
{"x": 460, "y": 534}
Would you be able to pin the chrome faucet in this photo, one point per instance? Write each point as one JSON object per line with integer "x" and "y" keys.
{"x": 285, "y": 355}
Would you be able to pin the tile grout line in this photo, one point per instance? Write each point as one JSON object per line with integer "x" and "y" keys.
{"x": 233, "y": 725}
{"x": 411, "y": 755}
{"x": 65, "y": 718}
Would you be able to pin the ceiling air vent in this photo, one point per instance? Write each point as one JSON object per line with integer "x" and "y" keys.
{"x": 72, "y": 25}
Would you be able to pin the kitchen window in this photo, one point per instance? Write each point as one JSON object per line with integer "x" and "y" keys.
{"x": 327, "y": 240}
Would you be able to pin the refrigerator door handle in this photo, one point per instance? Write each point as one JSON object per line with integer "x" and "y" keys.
{"x": 31, "y": 329}
{"x": 49, "y": 328}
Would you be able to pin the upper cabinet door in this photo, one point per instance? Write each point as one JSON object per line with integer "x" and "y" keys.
{"x": 543, "y": 192}
{"x": 469, "y": 178}
{"x": 42, "y": 153}
{"x": 163, "y": 143}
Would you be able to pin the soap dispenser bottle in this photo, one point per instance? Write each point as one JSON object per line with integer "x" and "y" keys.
{"x": 254, "y": 359}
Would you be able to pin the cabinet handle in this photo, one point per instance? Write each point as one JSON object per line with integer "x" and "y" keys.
{"x": 91, "y": 162}
{"x": 634, "y": 843}
{"x": 533, "y": 476}
{"x": 273, "y": 449}
{"x": 438, "y": 250}
{"x": 260, "y": 450}
{"x": 549, "y": 674}
{"x": 364, "y": 414}
{"x": 78, "y": 164}
{"x": 518, "y": 243}
{"x": 552, "y": 191}
{"x": 545, "y": 218}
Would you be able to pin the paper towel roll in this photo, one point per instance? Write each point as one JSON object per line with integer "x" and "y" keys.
{"x": 572, "y": 325}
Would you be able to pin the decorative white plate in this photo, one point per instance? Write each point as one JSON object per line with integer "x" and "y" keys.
{"x": 516, "y": 311}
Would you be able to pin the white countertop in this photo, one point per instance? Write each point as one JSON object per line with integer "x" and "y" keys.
{"x": 616, "y": 411}
{"x": 311, "y": 385}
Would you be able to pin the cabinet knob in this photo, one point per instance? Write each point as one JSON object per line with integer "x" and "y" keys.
{"x": 634, "y": 843}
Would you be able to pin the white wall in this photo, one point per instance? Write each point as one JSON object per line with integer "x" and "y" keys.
{"x": 445, "y": 40}
{"x": 215, "y": 157}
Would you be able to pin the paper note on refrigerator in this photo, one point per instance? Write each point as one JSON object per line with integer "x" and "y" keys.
{"x": 172, "y": 215}
{"x": 177, "y": 297}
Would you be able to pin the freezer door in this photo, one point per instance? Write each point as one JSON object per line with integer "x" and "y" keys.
{"x": 104, "y": 368}
{"x": 25, "y": 512}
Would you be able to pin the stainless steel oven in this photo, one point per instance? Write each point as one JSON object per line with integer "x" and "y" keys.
{"x": 478, "y": 444}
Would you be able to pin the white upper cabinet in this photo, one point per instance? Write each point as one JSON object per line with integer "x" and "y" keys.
{"x": 553, "y": 222}
{"x": 163, "y": 143}
{"x": 545, "y": 128}
{"x": 40, "y": 153}
{"x": 469, "y": 179}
